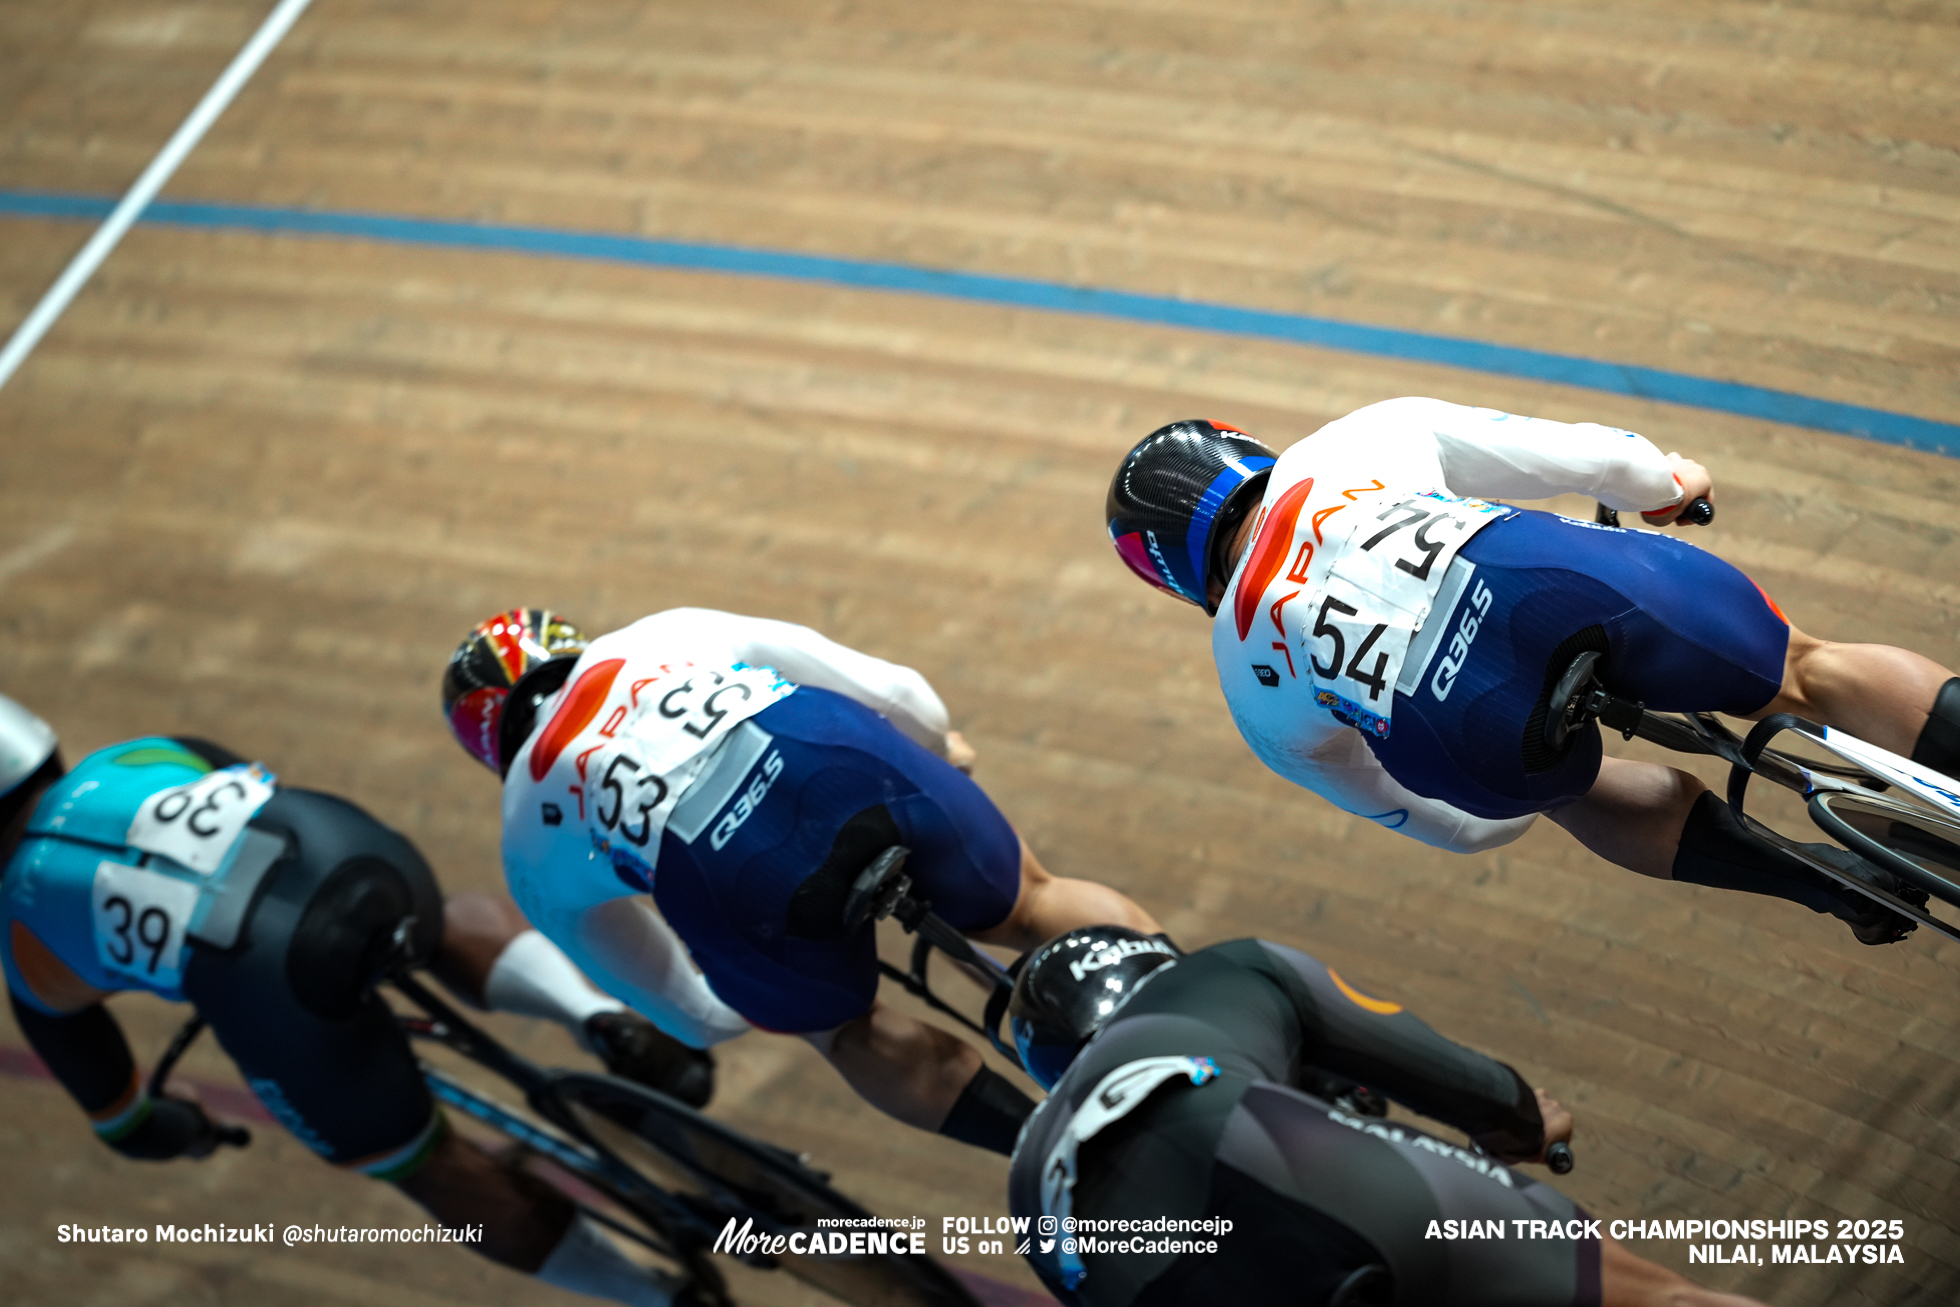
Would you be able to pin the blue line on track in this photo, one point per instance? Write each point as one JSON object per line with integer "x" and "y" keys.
{"x": 1326, "y": 333}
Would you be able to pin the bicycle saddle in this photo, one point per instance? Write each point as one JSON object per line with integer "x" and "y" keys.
{"x": 877, "y": 889}
{"x": 1578, "y": 698}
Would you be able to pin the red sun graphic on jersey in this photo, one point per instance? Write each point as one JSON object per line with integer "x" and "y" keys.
{"x": 1268, "y": 553}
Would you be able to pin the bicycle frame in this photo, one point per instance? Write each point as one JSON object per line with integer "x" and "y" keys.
{"x": 1858, "y": 780}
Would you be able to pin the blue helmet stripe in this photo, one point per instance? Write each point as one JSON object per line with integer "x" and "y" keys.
{"x": 1236, "y": 474}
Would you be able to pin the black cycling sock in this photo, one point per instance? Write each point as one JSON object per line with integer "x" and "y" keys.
{"x": 988, "y": 1114}
{"x": 1717, "y": 852}
{"x": 1938, "y": 745}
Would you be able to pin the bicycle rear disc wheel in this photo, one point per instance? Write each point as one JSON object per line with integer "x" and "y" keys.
{"x": 729, "y": 1177}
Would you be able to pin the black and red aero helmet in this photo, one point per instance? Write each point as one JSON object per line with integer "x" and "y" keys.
{"x": 490, "y": 662}
{"x": 1173, "y": 496}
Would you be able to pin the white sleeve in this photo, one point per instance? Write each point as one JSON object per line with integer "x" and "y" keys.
{"x": 1345, "y": 772}
{"x": 1502, "y": 456}
{"x": 808, "y": 658}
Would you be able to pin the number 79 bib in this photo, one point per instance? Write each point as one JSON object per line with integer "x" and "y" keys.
{"x": 1377, "y": 593}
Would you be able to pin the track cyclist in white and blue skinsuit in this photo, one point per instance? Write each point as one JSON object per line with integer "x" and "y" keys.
{"x": 1390, "y": 640}
{"x": 700, "y": 789}
{"x": 170, "y": 866}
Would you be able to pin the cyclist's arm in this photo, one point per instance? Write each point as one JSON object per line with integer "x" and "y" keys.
{"x": 1503, "y": 456}
{"x": 88, "y": 1056}
{"x": 809, "y": 658}
{"x": 1394, "y": 1053}
{"x": 1341, "y": 768}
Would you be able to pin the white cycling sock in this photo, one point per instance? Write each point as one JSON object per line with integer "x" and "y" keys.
{"x": 587, "y": 1262}
{"x": 533, "y": 978}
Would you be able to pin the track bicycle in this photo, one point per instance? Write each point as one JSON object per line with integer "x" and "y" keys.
{"x": 660, "y": 1176}
{"x": 1894, "y": 813}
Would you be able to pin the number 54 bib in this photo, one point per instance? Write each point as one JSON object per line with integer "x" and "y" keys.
{"x": 1378, "y": 591}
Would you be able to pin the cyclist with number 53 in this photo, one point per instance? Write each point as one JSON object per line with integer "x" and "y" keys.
{"x": 1393, "y": 642}
{"x": 171, "y": 866}
{"x": 706, "y": 788}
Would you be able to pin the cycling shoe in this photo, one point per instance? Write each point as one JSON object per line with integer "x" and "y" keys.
{"x": 1870, "y": 922}
{"x": 635, "y": 1049}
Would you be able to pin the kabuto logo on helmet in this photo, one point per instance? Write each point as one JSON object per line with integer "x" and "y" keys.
{"x": 1116, "y": 952}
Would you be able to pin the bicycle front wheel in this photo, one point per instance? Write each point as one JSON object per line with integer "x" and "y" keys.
{"x": 732, "y": 1180}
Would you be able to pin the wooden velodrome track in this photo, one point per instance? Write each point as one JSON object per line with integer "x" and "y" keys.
{"x": 255, "y": 486}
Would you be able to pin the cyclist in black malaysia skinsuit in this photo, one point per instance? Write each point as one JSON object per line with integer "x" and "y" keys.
{"x": 1184, "y": 1106}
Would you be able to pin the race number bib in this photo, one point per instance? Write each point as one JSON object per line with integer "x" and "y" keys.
{"x": 195, "y": 825}
{"x": 637, "y": 776}
{"x": 140, "y": 919}
{"x": 1376, "y": 596}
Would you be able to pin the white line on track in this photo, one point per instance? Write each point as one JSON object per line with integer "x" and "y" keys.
{"x": 84, "y": 264}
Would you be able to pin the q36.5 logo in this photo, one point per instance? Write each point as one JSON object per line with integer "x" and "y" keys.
{"x": 1474, "y": 613}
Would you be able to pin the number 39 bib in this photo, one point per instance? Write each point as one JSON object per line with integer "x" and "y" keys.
{"x": 142, "y": 913}
{"x": 1377, "y": 592}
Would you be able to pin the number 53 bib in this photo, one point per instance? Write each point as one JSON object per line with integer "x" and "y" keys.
{"x": 639, "y": 770}
{"x": 1378, "y": 591}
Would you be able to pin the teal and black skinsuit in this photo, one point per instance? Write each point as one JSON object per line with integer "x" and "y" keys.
{"x": 1218, "y": 1041}
{"x": 274, "y": 930}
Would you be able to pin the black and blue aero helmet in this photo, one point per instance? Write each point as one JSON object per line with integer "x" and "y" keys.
{"x": 1177, "y": 494}
{"x": 1070, "y": 986}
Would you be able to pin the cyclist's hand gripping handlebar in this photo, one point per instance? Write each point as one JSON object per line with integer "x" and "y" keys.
{"x": 1699, "y": 512}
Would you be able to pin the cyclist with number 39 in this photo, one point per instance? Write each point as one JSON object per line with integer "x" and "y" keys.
{"x": 1393, "y": 642}
{"x": 171, "y": 866}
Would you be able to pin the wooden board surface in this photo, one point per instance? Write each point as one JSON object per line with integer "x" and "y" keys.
{"x": 256, "y": 486}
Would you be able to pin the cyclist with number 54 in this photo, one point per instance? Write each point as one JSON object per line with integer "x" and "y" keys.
{"x": 1406, "y": 649}
{"x": 171, "y": 866}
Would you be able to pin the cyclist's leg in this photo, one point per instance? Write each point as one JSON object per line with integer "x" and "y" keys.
{"x": 492, "y": 958}
{"x": 1878, "y": 693}
{"x": 1633, "y": 815}
{"x": 528, "y": 1226}
{"x": 1664, "y": 823}
{"x": 903, "y": 1067}
{"x": 460, "y": 1185}
{"x": 1048, "y": 905}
